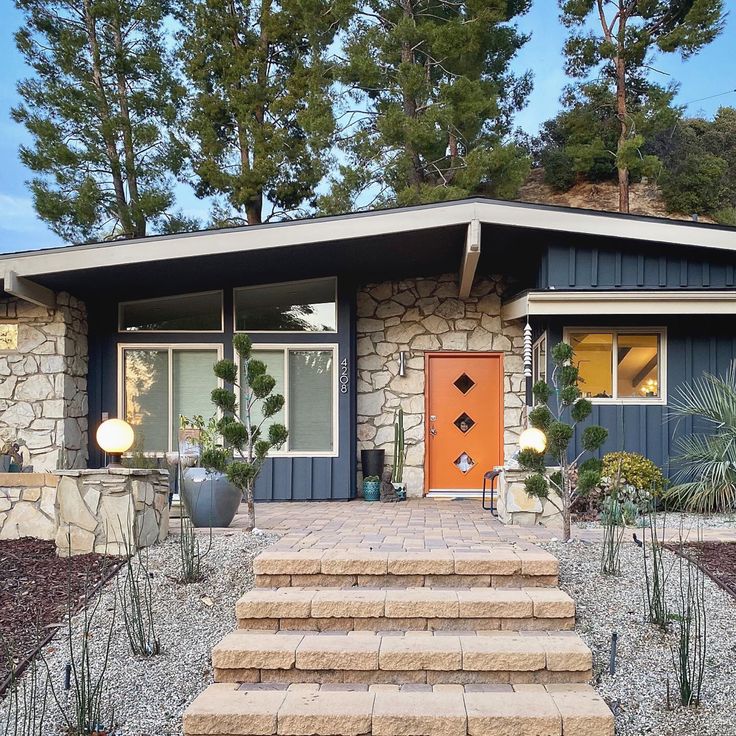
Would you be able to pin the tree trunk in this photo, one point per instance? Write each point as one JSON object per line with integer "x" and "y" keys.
{"x": 131, "y": 175}
{"x": 622, "y": 114}
{"x": 409, "y": 105}
{"x": 123, "y": 211}
{"x": 566, "y": 513}
{"x": 250, "y": 503}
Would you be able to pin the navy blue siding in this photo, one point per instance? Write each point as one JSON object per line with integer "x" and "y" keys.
{"x": 658, "y": 267}
{"x": 282, "y": 478}
{"x": 694, "y": 346}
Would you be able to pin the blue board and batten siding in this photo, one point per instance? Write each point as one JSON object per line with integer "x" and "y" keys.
{"x": 694, "y": 344}
{"x": 282, "y": 478}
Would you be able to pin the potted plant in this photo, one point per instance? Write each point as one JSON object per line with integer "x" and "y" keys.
{"x": 247, "y": 440}
{"x": 371, "y": 488}
{"x": 11, "y": 457}
{"x": 211, "y": 500}
{"x": 399, "y": 458}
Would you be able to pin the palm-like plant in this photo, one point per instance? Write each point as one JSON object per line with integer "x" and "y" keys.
{"x": 705, "y": 476}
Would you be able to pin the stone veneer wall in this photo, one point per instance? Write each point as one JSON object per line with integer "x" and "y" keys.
{"x": 86, "y": 510}
{"x": 425, "y": 314}
{"x": 43, "y": 384}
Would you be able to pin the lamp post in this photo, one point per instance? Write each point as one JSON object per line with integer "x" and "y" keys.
{"x": 115, "y": 437}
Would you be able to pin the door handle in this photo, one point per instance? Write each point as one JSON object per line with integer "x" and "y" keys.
{"x": 432, "y": 431}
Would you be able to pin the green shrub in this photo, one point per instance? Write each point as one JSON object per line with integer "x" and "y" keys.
{"x": 635, "y": 470}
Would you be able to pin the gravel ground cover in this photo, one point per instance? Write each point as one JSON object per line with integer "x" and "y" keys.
{"x": 681, "y": 519}
{"x": 637, "y": 693}
{"x": 148, "y": 696}
{"x": 35, "y": 589}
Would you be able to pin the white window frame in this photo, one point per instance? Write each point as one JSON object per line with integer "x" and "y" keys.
{"x": 660, "y": 400}
{"x": 170, "y": 347}
{"x": 286, "y": 332}
{"x": 285, "y": 348}
{"x": 536, "y": 373}
{"x": 123, "y": 331}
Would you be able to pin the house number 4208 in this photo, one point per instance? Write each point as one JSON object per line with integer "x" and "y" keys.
{"x": 344, "y": 377}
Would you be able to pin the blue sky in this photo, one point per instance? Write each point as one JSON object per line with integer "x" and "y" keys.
{"x": 710, "y": 73}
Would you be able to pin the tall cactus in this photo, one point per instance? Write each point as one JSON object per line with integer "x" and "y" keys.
{"x": 399, "y": 447}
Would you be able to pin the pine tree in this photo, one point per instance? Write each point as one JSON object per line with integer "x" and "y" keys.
{"x": 261, "y": 119}
{"x": 99, "y": 108}
{"x": 629, "y": 33}
{"x": 429, "y": 102}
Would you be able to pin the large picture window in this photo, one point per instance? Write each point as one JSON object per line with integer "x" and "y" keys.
{"x": 305, "y": 376}
{"x": 183, "y": 313}
{"x": 621, "y": 365}
{"x": 160, "y": 383}
{"x": 298, "y": 306}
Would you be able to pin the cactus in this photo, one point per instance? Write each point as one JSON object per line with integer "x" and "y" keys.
{"x": 399, "y": 447}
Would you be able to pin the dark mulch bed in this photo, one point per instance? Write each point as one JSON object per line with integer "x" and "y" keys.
{"x": 37, "y": 588}
{"x": 716, "y": 559}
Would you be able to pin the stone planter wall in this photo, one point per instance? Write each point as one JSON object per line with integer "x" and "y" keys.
{"x": 43, "y": 384}
{"x": 517, "y": 508}
{"x": 103, "y": 510}
{"x": 27, "y": 505}
{"x": 86, "y": 510}
{"x": 419, "y": 315}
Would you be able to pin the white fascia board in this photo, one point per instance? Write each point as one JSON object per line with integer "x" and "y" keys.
{"x": 367, "y": 224}
{"x": 576, "y": 303}
{"x": 254, "y": 238}
{"x": 471, "y": 256}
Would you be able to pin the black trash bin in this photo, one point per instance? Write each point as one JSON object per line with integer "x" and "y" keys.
{"x": 372, "y": 462}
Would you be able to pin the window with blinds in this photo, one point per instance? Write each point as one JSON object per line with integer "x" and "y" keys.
{"x": 162, "y": 383}
{"x": 305, "y": 376}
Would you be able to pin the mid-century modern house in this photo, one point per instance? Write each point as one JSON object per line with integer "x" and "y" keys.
{"x": 423, "y": 308}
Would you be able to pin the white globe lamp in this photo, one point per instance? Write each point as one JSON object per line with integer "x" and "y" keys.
{"x": 533, "y": 439}
{"x": 115, "y": 437}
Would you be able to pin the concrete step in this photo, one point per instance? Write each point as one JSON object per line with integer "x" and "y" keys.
{"x": 423, "y": 657}
{"x": 388, "y": 710}
{"x": 412, "y": 609}
{"x": 501, "y": 566}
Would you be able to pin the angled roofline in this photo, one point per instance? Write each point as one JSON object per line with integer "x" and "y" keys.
{"x": 368, "y": 224}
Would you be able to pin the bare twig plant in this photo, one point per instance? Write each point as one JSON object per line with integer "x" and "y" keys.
{"x": 25, "y": 698}
{"x": 655, "y": 574}
{"x": 689, "y": 651}
{"x": 191, "y": 555}
{"x": 613, "y": 531}
{"x": 87, "y": 713}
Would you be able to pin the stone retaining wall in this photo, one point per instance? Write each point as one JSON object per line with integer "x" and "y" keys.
{"x": 86, "y": 510}
{"x": 43, "y": 383}
{"x": 425, "y": 314}
{"x": 517, "y": 508}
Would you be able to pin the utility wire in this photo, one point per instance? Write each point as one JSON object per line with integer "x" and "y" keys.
{"x": 709, "y": 97}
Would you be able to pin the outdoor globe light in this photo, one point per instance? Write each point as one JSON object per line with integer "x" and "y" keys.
{"x": 533, "y": 439}
{"x": 115, "y": 437}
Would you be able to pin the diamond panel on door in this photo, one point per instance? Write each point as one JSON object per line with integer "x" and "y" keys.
{"x": 464, "y": 462}
{"x": 464, "y": 423}
{"x": 464, "y": 383}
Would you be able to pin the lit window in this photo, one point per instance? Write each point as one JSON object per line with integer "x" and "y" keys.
{"x": 162, "y": 383}
{"x": 184, "y": 313}
{"x": 8, "y": 336}
{"x": 619, "y": 364}
{"x": 299, "y": 306}
{"x": 305, "y": 376}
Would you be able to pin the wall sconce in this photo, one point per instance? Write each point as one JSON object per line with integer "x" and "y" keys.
{"x": 115, "y": 437}
{"x": 533, "y": 439}
{"x": 402, "y": 363}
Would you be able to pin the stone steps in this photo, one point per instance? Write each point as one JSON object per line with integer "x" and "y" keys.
{"x": 504, "y": 566}
{"x": 422, "y": 657}
{"x": 390, "y": 710}
{"x": 413, "y": 609}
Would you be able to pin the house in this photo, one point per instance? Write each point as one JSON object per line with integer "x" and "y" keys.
{"x": 424, "y": 308}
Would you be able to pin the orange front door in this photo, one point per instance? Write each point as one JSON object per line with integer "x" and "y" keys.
{"x": 464, "y": 419}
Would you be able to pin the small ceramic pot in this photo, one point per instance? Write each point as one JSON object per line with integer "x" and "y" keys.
{"x": 371, "y": 490}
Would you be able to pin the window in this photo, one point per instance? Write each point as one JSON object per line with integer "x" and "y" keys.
{"x": 625, "y": 364}
{"x": 539, "y": 359}
{"x": 305, "y": 376}
{"x": 158, "y": 384}
{"x": 8, "y": 337}
{"x": 184, "y": 313}
{"x": 298, "y": 306}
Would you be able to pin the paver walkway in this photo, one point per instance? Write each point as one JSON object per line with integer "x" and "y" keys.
{"x": 409, "y": 619}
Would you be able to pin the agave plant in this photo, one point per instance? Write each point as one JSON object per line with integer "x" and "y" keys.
{"x": 705, "y": 476}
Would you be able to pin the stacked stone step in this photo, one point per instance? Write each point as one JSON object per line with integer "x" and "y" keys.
{"x": 358, "y": 642}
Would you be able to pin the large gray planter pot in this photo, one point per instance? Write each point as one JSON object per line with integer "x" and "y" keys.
{"x": 210, "y": 498}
